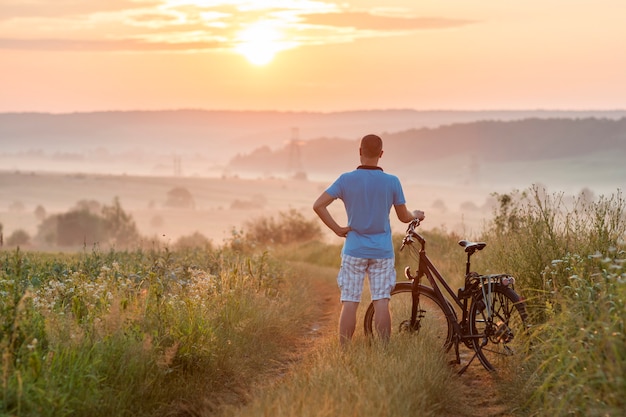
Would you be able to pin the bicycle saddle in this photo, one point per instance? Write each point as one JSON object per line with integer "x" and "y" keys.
{"x": 472, "y": 246}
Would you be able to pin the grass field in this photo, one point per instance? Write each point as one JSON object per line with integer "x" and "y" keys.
{"x": 248, "y": 328}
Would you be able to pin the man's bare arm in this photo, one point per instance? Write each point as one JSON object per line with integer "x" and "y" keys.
{"x": 406, "y": 216}
{"x": 321, "y": 208}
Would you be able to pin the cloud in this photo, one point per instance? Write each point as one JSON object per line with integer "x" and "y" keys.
{"x": 179, "y": 25}
{"x": 12, "y": 9}
{"x": 367, "y": 21}
{"x": 104, "y": 45}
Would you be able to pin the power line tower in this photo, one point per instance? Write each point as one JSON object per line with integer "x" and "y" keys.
{"x": 294, "y": 166}
{"x": 178, "y": 170}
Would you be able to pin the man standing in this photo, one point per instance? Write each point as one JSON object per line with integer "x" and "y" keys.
{"x": 368, "y": 194}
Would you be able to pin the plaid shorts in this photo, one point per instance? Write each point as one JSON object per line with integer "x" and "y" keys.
{"x": 381, "y": 273}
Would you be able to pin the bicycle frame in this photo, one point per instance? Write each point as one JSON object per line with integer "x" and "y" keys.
{"x": 492, "y": 313}
{"x": 436, "y": 281}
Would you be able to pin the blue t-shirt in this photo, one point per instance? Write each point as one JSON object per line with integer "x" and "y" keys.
{"x": 368, "y": 195}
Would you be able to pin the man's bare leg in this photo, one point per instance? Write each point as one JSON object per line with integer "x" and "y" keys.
{"x": 347, "y": 321}
{"x": 382, "y": 318}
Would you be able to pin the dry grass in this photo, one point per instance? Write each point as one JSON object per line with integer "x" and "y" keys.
{"x": 405, "y": 377}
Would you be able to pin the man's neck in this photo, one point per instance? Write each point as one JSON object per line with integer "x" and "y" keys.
{"x": 370, "y": 162}
{"x": 370, "y": 167}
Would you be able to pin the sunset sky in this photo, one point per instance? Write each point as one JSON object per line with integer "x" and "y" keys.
{"x": 89, "y": 55}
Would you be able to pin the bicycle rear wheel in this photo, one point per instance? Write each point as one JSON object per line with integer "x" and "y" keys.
{"x": 432, "y": 323}
{"x": 503, "y": 330}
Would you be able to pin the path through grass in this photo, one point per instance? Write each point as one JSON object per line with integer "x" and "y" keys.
{"x": 406, "y": 377}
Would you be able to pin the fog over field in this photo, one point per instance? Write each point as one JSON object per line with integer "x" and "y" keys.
{"x": 238, "y": 166}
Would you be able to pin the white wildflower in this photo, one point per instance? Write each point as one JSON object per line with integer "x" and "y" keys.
{"x": 32, "y": 345}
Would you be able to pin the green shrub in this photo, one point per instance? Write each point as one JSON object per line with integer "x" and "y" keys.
{"x": 194, "y": 240}
{"x": 88, "y": 224}
{"x": 18, "y": 238}
{"x": 290, "y": 227}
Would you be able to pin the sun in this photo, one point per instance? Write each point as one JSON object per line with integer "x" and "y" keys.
{"x": 260, "y": 42}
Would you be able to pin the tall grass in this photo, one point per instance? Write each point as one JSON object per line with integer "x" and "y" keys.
{"x": 140, "y": 333}
{"x": 366, "y": 379}
{"x": 405, "y": 377}
{"x": 533, "y": 228}
{"x": 568, "y": 256}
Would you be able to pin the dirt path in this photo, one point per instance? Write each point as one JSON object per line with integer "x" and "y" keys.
{"x": 482, "y": 390}
{"x": 480, "y": 387}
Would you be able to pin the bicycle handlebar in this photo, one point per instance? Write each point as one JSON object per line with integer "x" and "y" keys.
{"x": 411, "y": 233}
{"x": 413, "y": 224}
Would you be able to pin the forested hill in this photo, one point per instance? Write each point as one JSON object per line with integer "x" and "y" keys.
{"x": 447, "y": 145}
{"x": 226, "y": 131}
{"x": 524, "y": 140}
{"x": 473, "y": 147}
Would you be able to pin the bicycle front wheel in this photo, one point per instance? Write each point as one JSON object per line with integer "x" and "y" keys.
{"x": 431, "y": 322}
{"x": 501, "y": 318}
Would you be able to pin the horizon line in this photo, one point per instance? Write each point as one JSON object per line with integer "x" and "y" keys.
{"x": 390, "y": 109}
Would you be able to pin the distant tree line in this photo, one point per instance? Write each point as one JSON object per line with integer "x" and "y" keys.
{"x": 88, "y": 223}
{"x": 495, "y": 141}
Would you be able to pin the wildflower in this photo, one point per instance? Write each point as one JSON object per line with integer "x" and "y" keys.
{"x": 32, "y": 345}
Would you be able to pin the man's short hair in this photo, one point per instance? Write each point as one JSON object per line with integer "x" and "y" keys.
{"x": 371, "y": 146}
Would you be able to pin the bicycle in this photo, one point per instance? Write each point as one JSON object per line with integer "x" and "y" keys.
{"x": 493, "y": 316}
